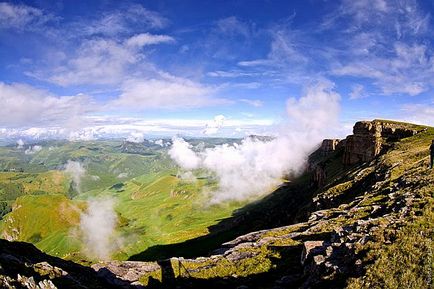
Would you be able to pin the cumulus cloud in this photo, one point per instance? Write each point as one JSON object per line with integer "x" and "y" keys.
{"x": 214, "y": 126}
{"x": 238, "y": 167}
{"x": 181, "y": 152}
{"x": 136, "y": 137}
{"x": 76, "y": 171}
{"x": 317, "y": 109}
{"x": 98, "y": 226}
{"x": 24, "y": 104}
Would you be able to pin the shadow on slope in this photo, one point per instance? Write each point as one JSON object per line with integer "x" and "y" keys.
{"x": 25, "y": 260}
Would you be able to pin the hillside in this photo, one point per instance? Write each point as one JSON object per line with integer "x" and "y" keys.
{"x": 154, "y": 204}
{"x": 360, "y": 217}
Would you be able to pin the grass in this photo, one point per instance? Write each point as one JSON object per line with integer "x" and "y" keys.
{"x": 167, "y": 210}
{"x": 407, "y": 262}
{"x": 46, "y": 221}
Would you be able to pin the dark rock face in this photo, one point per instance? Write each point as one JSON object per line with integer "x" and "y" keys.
{"x": 329, "y": 145}
{"x": 368, "y": 139}
{"x": 319, "y": 175}
{"x": 24, "y": 266}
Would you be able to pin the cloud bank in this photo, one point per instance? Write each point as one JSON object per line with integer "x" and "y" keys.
{"x": 255, "y": 166}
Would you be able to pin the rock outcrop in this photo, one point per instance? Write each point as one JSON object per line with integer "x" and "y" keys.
{"x": 369, "y": 137}
{"x": 328, "y": 146}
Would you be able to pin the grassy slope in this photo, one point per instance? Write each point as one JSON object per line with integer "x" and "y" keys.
{"x": 153, "y": 205}
{"x": 407, "y": 262}
{"x": 46, "y": 221}
{"x": 162, "y": 209}
{"x": 152, "y": 210}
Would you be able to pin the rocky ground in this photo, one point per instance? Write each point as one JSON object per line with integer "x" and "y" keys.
{"x": 373, "y": 197}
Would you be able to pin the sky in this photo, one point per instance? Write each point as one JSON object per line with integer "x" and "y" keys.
{"x": 88, "y": 69}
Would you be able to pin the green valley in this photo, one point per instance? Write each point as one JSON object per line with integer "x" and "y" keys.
{"x": 42, "y": 200}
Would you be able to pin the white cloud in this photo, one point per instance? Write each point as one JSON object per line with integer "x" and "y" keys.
{"x": 384, "y": 41}
{"x": 255, "y": 62}
{"x": 316, "y": 109}
{"x": 231, "y": 74}
{"x": 95, "y": 127}
{"x": 76, "y": 171}
{"x": 160, "y": 142}
{"x": 33, "y": 149}
{"x": 98, "y": 225}
{"x": 24, "y": 105}
{"x": 214, "y": 126}
{"x": 96, "y": 61}
{"x": 121, "y": 22}
{"x": 233, "y": 26}
{"x": 408, "y": 71}
{"x": 238, "y": 167}
{"x": 21, "y": 16}
{"x": 181, "y": 151}
{"x": 165, "y": 93}
{"x": 136, "y": 137}
{"x": 187, "y": 176}
{"x": 144, "y": 39}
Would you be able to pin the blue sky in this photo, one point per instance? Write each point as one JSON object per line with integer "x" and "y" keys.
{"x": 223, "y": 68}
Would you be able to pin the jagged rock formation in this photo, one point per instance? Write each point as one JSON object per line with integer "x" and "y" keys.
{"x": 334, "y": 242}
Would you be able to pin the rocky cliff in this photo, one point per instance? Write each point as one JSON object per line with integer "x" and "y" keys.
{"x": 369, "y": 138}
{"x": 368, "y": 224}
